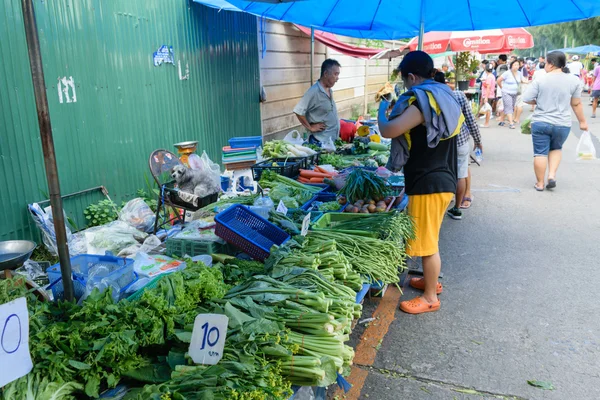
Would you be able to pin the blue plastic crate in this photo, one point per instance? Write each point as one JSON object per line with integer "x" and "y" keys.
{"x": 322, "y": 197}
{"x": 249, "y": 232}
{"x": 246, "y": 141}
{"x": 81, "y": 264}
{"x": 122, "y": 273}
{"x": 325, "y": 188}
{"x": 403, "y": 203}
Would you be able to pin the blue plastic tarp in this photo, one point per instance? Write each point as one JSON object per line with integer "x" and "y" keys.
{"x": 398, "y": 19}
{"x": 587, "y": 49}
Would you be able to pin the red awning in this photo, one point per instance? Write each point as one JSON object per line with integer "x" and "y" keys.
{"x": 330, "y": 40}
{"x": 488, "y": 41}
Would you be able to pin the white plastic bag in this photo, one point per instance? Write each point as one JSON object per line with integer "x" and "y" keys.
{"x": 585, "y": 147}
{"x": 328, "y": 145}
{"x": 152, "y": 244}
{"x": 500, "y": 106}
{"x": 294, "y": 137}
{"x": 138, "y": 214}
{"x": 485, "y": 108}
{"x": 44, "y": 221}
{"x": 199, "y": 230}
{"x": 213, "y": 170}
{"x": 114, "y": 237}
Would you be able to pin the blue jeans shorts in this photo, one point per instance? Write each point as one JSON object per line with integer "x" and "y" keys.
{"x": 547, "y": 137}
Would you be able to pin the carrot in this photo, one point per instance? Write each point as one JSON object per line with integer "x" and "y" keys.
{"x": 312, "y": 174}
{"x": 303, "y": 180}
{"x": 322, "y": 170}
{"x": 316, "y": 180}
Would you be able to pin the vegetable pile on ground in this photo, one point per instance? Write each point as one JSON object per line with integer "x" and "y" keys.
{"x": 79, "y": 350}
{"x": 318, "y": 175}
{"x": 291, "y": 192}
{"x": 324, "y": 258}
{"x": 363, "y": 184}
{"x": 374, "y": 245}
{"x": 317, "y": 314}
{"x": 282, "y": 149}
{"x": 369, "y": 205}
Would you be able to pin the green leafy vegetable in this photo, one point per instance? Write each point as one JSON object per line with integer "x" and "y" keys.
{"x": 541, "y": 384}
{"x": 363, "y": 184}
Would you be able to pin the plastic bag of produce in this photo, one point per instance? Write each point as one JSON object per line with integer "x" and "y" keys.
{"x": 152, "y": 244}
{"x": 114, "y": 237}
{"x": 485, "y": 108}
{"x": 585, "y": 147}
{"x": 526, "y": 127}
{"x": 328, "y": 145}
{"x": 294, "y": 137}
{"x": 138, "y": 214}
{"x": 199, "y": 230}
{"x": 146, "y": 265}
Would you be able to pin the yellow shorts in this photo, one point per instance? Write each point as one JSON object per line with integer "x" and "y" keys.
{"x": 428, "y": 212}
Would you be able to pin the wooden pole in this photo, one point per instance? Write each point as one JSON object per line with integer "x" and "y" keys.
{"x": 366, "y": 96}
{"x": 43, "y": 114}
{"x": 312, "y": 56}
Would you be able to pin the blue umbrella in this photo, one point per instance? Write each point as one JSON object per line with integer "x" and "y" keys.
{"x": 587, "y": 49}
{"x": 397, "y": 19}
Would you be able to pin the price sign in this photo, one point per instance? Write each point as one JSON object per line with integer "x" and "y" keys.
{"x": 208, "y": 338}
{"x": 305, "y": 224}
{"x": 15, "y": 360}
{"x": 281, "y": 208}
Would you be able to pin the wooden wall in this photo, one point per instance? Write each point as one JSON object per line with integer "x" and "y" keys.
{"x": 285, "y": 76}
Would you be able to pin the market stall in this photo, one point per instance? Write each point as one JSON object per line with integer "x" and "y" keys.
{"x": 250, "y": 294}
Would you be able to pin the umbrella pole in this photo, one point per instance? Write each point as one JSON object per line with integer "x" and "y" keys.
{"x": 312, "y": 55}
{"x": 422, "y": 26}
{"x": 421, "y": 34}
{"x": 43, "y": 113}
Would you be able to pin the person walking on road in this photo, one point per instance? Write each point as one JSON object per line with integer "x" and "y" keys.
{"x": 429, "y": 118}
{"x": 488, "y": 94}
{"x": 554, "y": 95}
{"x": 463, "y": 147}
{"x": 595, "y": 89}
{"x": 510, "y": 83}
{"x": 575, "y": 66}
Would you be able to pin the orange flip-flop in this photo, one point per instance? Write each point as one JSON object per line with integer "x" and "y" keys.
{"x": 419, "y": 305}
{"x": 419, "y": 283}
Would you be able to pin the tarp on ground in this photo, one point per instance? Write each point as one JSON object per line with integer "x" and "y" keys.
{"x": 398, "y": 19}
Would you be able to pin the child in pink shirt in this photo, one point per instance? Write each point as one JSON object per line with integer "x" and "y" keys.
{"x": 488, "y": 92}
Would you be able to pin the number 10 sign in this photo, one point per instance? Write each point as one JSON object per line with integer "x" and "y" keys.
{"x": 208, "y": 338}
{"x": 15, "y": 360}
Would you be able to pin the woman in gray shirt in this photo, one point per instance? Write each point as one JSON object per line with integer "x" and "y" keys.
{"x": 554, "y": 95}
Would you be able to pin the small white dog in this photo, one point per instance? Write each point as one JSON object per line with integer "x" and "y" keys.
{"x": 193, "y": 181}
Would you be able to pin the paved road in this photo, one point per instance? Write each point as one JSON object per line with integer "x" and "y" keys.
{"x": 521, "y": 279}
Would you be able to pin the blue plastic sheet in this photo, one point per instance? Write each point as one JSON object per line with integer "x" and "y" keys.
{"x": 588, "y": 48}
{"x": 398, "y": 19}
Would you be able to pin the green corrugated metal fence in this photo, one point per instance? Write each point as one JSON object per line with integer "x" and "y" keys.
{"x": 100, "y": 52}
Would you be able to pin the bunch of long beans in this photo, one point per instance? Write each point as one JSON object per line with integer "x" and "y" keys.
{"x": 379, "y": 260}
{"x": 396, "y": 226}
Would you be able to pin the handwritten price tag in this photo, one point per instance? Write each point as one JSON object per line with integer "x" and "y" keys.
{"x": 305, "y": 225}
{"x": 281, "y": 208}
{"x": 15, "y": 360}
{"x": 208, "y": 338}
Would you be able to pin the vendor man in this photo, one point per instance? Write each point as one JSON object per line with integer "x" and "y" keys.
{"x": 317, "y": 111}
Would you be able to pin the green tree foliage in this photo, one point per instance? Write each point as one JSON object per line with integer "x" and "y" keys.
{"x": 552, "y": 37}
